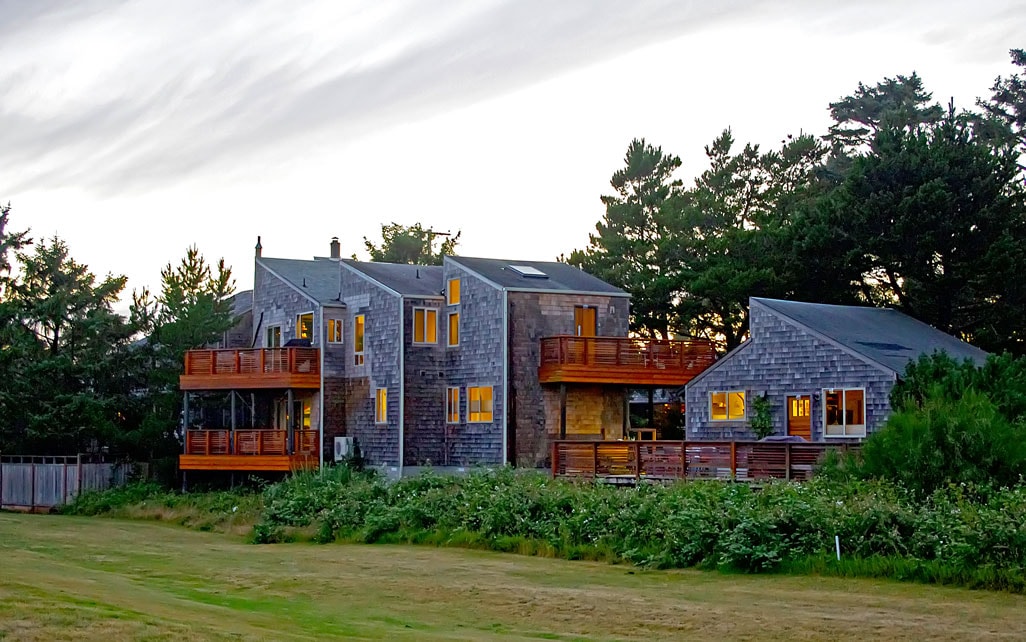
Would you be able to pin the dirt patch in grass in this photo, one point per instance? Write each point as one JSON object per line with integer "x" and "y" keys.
{"x": 87, "y": 578}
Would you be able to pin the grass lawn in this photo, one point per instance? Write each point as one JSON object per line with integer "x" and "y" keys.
{"x": 94, "y": 578}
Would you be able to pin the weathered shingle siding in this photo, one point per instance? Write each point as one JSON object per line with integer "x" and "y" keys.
{"x": 782, "y": 359}
{"x": 379, "y": 443}
{"x": 477, "y": 361}
{"x": 275, "y": 302}
{"x": 424, "y": 428}
{"x": 334, "y": 369}
{"x": 534, "y": 315}
{"x": 240, "y": 335}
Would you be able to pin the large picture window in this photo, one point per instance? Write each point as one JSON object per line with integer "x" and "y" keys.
{"x": 358, "y": 340}
{"x": 425, "y": 325}
{"x": 727, "y": 406}
{"x": 479, "y": 404}
{"x": 844, "y": 412}
{"x": 452, "y": 405}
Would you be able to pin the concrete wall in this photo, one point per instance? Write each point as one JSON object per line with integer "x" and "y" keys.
{"x": 782, "y": 359}
{"x": 591, "y": 410}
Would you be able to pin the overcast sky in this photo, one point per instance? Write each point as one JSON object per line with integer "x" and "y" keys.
{"x": 134, "y": 129}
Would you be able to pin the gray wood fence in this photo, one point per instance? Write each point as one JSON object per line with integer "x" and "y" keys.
{"x": 40, "y": 483}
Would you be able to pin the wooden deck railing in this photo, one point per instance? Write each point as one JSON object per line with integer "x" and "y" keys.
{"x": 252, "y": 361}
{"x": 736, "y": 460}
{"x": 259, "y": 441}
{"x": 623, "y": 360}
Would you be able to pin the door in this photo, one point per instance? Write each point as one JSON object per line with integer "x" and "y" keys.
{"x": 585, "y": 321}
{"x": 799, "y": 416}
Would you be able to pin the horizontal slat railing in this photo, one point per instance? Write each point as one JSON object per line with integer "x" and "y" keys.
{"x": 737, "y": 460}
{"x": 258, "y": 441}
{"x": 567, "y": 356}
{"x": 252, "y": 361}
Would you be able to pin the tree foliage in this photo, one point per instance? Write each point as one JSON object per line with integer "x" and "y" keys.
{"x": 411, "y": 244}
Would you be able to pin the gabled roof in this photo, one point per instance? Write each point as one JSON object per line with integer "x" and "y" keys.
{"x": 557, "y": 277}
{"x": 319, "y": 279}
{"x": 882, "y": 335}
{"x": 241, "y": 302}
{"x": 407, "y": 280}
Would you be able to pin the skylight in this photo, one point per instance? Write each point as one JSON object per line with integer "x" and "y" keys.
{"x": 528, "y": 272}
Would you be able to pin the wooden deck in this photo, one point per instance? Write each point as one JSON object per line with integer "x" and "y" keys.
{"x": 623, "y": 360}
{"x": 249, "y": 369}
{"x": 251, "y": 449}
{"x": 634, "y": 461}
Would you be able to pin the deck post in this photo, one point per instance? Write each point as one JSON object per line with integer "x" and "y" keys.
{"x": 555, "y": 458}
{"x": 733, "y": 460}
{"x": 562, "y": 411}
{"x": 231, "y": 438}
{"x": 651, "y": 407}
{"x": 787, "y": 461}
{"x": 288, "y": 419}
{"x": 185, "y": 419}
{"x": 637, "y": 459}
{"x": 594, "y": 458}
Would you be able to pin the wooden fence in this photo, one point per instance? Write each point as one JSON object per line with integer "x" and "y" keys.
{"x": 39, "y": 483}
{"x": 633, "y": 461}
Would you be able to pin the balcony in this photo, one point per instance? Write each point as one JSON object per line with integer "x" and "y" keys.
{"x": 259, "y": 449}
{"x": 623, "y": 360}
{"x": 235, "y": 369}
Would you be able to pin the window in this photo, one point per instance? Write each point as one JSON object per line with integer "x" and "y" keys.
{"x": 479, "y": 406}
{"x": 381, "y": 406}
{"x": 358, "y": 339}
{"x": 727, "y": 406}
{"x": 844, "y": 413}
{"x": 273, "y": 337}
{"x": 334, "y": 330}
{"x": 304, "y": 326}
{"x": 454, "y": 329}
{"x": 585, "y": 321}
{"x": 452, "y": 405}
{"x": 454, "y": 292}
{"x": 425, "y": 325}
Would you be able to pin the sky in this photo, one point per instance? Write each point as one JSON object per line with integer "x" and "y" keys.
{"x": 134, "y": 129}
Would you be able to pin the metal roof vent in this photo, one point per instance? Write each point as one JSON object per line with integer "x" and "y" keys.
{"x": 528, "y": 272}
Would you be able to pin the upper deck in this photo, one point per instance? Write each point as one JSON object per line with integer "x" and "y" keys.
{"x": 251, "y": 368}
{"x": 623, "y": 360}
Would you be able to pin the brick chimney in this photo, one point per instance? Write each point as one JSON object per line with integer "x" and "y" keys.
{"x": 336, "y": 248}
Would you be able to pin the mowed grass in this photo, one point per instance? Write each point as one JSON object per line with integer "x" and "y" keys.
{"x": 93, "y": 578}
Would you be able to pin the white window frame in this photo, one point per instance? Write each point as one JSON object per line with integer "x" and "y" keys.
{"x": 425, "y": 310}
{"x": 358, "y": 356}
{"x": 267, "y": 335}
{"x": 743, "y": 417}
{"x": 336, "y": 331}
{"x": 844, "y": 408}
{"x": 449, "y": 410}
{"x": 470, "y": 412}
{"x": 313, "y": 324}
{"x": 380, "y": 410}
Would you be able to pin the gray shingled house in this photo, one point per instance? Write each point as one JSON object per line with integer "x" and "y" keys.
{"x": 826, "y": 370}
{"x": 475, "y": 362}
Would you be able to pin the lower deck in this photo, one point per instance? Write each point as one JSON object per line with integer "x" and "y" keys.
{"x": 257, "y": 450}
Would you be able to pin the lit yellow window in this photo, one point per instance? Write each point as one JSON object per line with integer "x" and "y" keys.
{"x": 454, "y": 291}
{"x": 358, "y": 339}
{"x": 381, "y": 406}
{"x": 425, "y": 325}
{"x": 479, "y": 404}
{"x": 452, "y": 405}
{"x": 304, "y": 326}
{"x": 454, "y": 329}
{"x": 726, "y": 406}
{"x": 334, "y": 330}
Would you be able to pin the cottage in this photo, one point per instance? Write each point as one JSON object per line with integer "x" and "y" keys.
{"x": 826, "y": 371}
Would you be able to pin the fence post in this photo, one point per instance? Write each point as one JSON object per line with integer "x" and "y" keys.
{"x": 78, "y": 468}
{"x": 787, "y": 461}
{"x": 32, "y": 499}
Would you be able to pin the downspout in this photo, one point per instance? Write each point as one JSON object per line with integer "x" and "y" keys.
{"x": 321, "y": 404}
{"x": 402, "y": 381}
{"x": 505, "y": 377}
